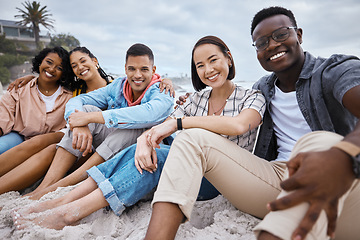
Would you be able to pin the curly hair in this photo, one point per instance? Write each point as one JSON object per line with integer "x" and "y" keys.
{"x": 269, "y": 12}
{"x": 79, "y": 83}
{"x": 196, "y": 81}
{"x": 67, "y": 75}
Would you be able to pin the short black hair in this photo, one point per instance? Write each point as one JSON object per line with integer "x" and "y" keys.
{"x": 67, "y": 75}
{"x": 139, "y": 49}
{"x": 196, "y": 81}
{"x": 269, "y": 12}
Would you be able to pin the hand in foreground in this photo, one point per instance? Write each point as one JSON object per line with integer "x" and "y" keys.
{"x": 145, "y": 156}
{"x": 168, "y": 86}
{"x": 78, "y": 119}
{"x": 182, "y": 99}
{"x": 157, "y": 133}
{"x": 19, "y": 82}
{"x": 82, "y": 140}
{"x": 319, "y": 178}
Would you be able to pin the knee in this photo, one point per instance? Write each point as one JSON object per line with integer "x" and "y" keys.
{"x": 36, "y": 141}
{"x": 316, "y": 141}
{"x": 90, "y": 108}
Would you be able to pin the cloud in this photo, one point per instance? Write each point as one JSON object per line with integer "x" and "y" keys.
{"x": 171, "y": 28}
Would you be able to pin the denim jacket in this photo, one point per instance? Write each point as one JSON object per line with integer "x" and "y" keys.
{"x": 319, "y": 91}
{"x": 154, "y": 108}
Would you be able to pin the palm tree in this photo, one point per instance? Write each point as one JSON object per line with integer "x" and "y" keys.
{"x": 35, "y": 16}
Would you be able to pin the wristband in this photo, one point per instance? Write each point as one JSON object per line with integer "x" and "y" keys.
{"x": 179, "y": 123}
{"x": 352, "y": 150}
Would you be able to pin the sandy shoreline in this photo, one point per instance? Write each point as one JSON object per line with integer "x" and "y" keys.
{"x": 213, "y": 219}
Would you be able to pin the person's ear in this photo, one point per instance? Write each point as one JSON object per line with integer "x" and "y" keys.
{"x": 299, "y": 33}
{"x": 153, "y": 69}
{"x": 95, "y": 61}
{"x": 229, "y": 59}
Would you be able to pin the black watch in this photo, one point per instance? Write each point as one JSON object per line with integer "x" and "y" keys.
{"x": 354, "y": 152}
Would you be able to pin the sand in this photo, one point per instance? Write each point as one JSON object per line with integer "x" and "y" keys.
{"x": 213, "y": 219}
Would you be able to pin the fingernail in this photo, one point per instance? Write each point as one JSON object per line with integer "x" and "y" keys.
{"x": 298, "y": 237}
{"x": 268, "y": 207}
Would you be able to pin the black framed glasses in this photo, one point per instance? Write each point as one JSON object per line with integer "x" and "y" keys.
{"x": 279, "y": 35}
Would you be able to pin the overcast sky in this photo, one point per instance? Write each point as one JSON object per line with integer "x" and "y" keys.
{"x": 171, "y": 28}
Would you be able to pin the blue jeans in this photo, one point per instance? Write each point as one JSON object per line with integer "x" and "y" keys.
{"x": 123, "y": 185}
{"x": 10, "y": 140}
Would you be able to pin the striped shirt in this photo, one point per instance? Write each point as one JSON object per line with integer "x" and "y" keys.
{"x": 241, "y": 98}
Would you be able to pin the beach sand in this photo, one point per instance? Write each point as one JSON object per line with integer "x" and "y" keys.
{"x": 213, "y": 219}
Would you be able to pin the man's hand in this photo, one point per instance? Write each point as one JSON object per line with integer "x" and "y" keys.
{"x": 319, "y": 178}
{"x": 145, "y": 155}
{"x": 82, "y": 140}
{"x": 166, "y": 84}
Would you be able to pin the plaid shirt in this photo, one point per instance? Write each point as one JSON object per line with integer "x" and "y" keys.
{"x": 240, "y": 99}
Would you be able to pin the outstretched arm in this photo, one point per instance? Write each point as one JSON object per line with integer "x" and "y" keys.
{"x": 247, "y": 120}
{"x": 19, "y": 82}
{"x": 322, "y": 189}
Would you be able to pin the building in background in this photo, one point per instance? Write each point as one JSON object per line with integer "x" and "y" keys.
{"x": 21, "y": 34}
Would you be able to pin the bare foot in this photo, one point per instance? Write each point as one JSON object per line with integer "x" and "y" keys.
{"x": 56, "y": 218}
{"x": 38, "y": 207}
{"x": 36, "y": 195}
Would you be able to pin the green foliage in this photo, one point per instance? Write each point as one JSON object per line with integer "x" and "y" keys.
{"x": 4, "y": 75}
{"x": 7, "y": 61}
{"x": 66, "y": 41}
{"x": 6, "y": 45}
{"x": 35, "y": 15}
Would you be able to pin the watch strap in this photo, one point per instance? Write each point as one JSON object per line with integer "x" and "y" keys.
{"x": 179, "y": 123}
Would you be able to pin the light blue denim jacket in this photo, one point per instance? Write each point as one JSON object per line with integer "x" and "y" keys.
{"x": 154, "y": 108}
{"x": 319, "y": 91}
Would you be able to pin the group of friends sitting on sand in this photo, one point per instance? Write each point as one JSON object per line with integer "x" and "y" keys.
{"x": 286, "y": 151}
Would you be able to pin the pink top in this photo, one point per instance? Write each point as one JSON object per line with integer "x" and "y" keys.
{"x": 25, "y": 111}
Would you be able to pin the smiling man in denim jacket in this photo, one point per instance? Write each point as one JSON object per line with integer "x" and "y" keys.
{"x": 131, "y": 104}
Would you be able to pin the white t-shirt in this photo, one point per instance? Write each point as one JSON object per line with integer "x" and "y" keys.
{"x": 289, "y": 123}
{"x": 50, "y": 100}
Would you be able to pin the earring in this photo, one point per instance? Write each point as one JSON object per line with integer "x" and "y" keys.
{"x": 97, "y": 66}
{"x": 76, "y": 79}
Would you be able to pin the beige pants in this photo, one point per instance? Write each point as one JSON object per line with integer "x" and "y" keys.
{"x": 247, "y": 181}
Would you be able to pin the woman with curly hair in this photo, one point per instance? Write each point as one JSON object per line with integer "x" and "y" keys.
{"x": 31, "y": 159}
{"x": 37, "y": 108}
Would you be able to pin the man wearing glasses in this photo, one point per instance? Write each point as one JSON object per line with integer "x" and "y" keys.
{"x": 306, "y": 94}
{"x": 308, "y": 145}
